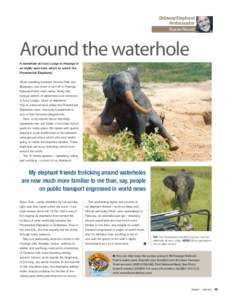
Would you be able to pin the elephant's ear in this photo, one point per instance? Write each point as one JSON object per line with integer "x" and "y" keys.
{"x": 108, "y": 89}
{"x": 134, "y": 73}
{"x": 169, "y": 181}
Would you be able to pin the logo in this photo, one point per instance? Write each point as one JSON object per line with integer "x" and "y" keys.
{"x": 98, "y": 263}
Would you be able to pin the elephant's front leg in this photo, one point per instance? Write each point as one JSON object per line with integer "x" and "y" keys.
{"x": 139, "y": 128}
{"x": 156, "y": 122}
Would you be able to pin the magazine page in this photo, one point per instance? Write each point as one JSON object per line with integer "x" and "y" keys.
{"x": 114, "y": 150}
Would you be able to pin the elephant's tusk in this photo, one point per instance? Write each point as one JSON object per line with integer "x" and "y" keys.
{"x": 130, "y": 100}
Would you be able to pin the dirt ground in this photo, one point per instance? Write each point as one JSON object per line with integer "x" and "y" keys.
{"x": 187, "y": 108}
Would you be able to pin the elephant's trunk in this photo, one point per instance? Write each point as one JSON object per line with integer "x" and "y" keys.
{"x": 182, "y": 199}
{"x": 130, "y": 100}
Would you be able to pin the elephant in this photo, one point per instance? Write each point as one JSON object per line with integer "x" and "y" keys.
{"x": 131, "y": 108}
{"x": 182, "y": 184}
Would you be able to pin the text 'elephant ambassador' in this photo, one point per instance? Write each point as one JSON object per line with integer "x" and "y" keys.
{"x": 131, "y": 108}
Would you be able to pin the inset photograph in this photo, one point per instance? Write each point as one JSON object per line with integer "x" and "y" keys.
{"x": 204, "y": 24}
{"x": 147, "y": 112}
{"x": 181, "y": 198}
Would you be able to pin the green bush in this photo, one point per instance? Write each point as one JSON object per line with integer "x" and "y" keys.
{"x": 154, "y": 148}
{"x": 125, "y": 146}
{"x": 122, "y": 148}
{"x": 90, "y": 148}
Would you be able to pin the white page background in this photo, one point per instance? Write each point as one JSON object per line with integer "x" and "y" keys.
{"x": 108, "y": 22}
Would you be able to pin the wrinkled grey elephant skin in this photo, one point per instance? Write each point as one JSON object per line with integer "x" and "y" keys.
{"x": 182, "y": 184}
{"x": 128, "y": 117}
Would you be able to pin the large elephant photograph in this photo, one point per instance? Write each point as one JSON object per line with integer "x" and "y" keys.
{"x": 181, "y": 198}
{"x": 147, "y": 112}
